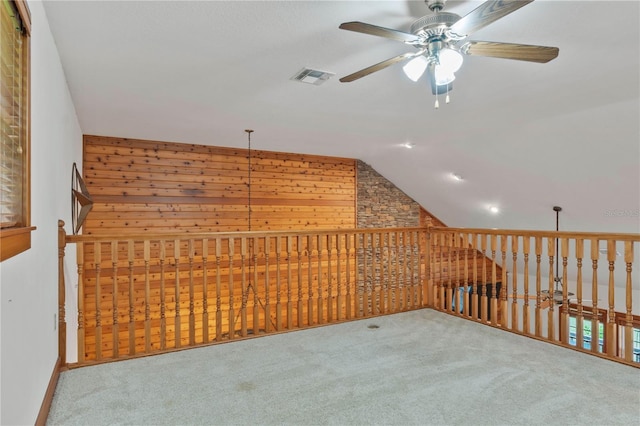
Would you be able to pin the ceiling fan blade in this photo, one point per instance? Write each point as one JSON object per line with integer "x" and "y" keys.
{"x": 377, "y": 67}
{"x": 485, "y": 14}
{"x": 361, "y": 27}
{"x": 520, "y": 52}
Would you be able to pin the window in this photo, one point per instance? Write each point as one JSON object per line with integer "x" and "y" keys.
{"x": 15, "y": 225}
{"x": 589, "y": 335}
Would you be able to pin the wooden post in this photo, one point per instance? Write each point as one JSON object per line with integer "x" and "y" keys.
{"x": 115, "y": 328}
{"x": 290, "y": 280}
{"x": 504, "y": 307}
{"x": 458, "y": 280}
{"x": 329, "y": 279}
{"x": 389, "y": 296}
{"x": 476, "y": 287}
{"x": 245, "y": 289}
{"x": 147, "y": 291}
{"x": 628, "y": 329}
{"x": 320, "y": 306}
{"x": 132, "y": 328}
{"x": 256, "y": 301}
{"x": 310, "y": 301}
{"x": 97, "y": 257}
{"x": 348, "y": 268}
{"x": 81, "y": 324}
{"x": 465, "y": 288}
{"x": 526, "y": 326}
{"x": 267, "y": 289}
{"x": 551, "y": 252}
{"x": 429, "y": 299}
{"x": 579, "y": 316}
{"x": 339, "y": 315}
{"x": 450, "y": 291}
{"x": 163, "y": 297}
{"x": 494, "y": 280}
{"x": 205, "y": 289}
{"x": 62, "y": 322}
{"x": 278, "y": 281}
{"x": 595, "y": 319}
{"x": 538, "y": 310}
{"x": 514, "y": 302}
{"x": 564, "y": 309}
{"x": 177, "y": 322}
{"x": 611, "y": 323}
{"x": 231, "y": 312}
{"x": 192, "y": 314}
{"x": 484, "y": 300}
{"x": 218, "y": 290}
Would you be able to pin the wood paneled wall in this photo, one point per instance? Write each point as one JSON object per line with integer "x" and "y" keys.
{"x": 141, "y": 186}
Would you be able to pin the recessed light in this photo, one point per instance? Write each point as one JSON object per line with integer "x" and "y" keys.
{"x": 408, "y": 145}
{"x": 456, "y": 177}
{"x": 494, "y": 209}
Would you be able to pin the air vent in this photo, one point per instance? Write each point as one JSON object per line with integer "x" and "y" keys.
{"x": 309, "y": 76}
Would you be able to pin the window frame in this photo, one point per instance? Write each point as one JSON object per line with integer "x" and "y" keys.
{"x": 17, "y": 239}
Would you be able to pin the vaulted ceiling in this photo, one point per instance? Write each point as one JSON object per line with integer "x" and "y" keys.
{"x": 524, "y": 136}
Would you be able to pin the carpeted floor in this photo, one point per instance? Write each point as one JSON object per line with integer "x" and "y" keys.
{"x": 421, "y": 367}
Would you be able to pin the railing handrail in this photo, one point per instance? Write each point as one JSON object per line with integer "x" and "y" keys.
{"x": 234, "y": 234}
{"x": 539, "y": 233}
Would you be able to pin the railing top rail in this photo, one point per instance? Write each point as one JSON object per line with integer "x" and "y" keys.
{"x": 239, "y": 234}
{"x": 548, "y": 234}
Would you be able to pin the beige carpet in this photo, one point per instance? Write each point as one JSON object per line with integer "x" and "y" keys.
{"x": 422, "y": 367}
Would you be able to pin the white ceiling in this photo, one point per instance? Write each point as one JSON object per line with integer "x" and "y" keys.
{"x": 524, "y": 136}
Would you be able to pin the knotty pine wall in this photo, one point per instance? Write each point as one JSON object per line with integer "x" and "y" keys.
{"x": 146, "y": 186}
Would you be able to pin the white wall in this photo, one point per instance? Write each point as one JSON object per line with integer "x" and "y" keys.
{"x": 28, "y": 288}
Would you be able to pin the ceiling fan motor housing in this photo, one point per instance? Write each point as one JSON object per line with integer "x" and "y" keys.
{"x": 434, "y": 25}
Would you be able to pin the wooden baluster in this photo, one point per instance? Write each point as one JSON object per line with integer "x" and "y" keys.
{"x": 300, "y": 303}
{"x": 374, "y": 276}
{"x": 97, "y": 254}
{"x": 427, "y": 300}
{"x": 399, "y": 289}
{"x": 494, "y": 280}
{"x": 163, "y": 304}
{"x": 514, "y": 302}
{"x": 551, "y": 252}
{"x": 564, "y": 309}
{"x": 611, "y": 324}
{"x": 256, "y": 301}
{"x": 538, "y": 310}
{"x": 132, "y": 326}
{"x": 339, "y": 315}
{"x": 177, "y": 322}
{"x": 147, "y": 295}
{"x": 62, "y": 322}
{"x": 329, "y": 279}
{"x": 310, "y": 301}
{"x": 279, "y": 283}
{"x": 465, "y": 290}
{"x": 365, "y": 287}
{"x": 389, "y": 280}
{"x": 526, "y": 329}
{"x": 579, "y": 316}
{"x": 403, "y": 295}
{"x": 267, "y": 289}
{"x": 81, "y": 325}
{"x": 192, "y": 314}
{"x": 628, "y": 329}
{"x": 415, "y": 267}
{"x": 458, "y": 279}
{"x": 441, "y": 270}
{"x": 476, "y": 285}
{"x": 421, "y": 292}
{"x": 115, "y": 330}
{"x": 595, "y": 319}
{"x": 218, "y": 290}
{"x": 231, "y": 312}
{"x": 484, "y": 299}
{"x": 243, "y": 284}
{"x": 205, "y": 290}
{"x": 320, "y": 295}
{"x": 380, "y": 274}
{"x": 347, "y": 242}
{"x": 359, "y": 283}
{"x": 289, "y": 239}
{"x": 450, "y": 292}
{"x": 504, "y": 307}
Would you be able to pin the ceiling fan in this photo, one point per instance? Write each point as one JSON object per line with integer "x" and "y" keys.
{"x": 440, "y": 40}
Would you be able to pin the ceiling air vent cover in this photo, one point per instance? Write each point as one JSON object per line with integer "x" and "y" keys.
{"x": 307, "y": 75}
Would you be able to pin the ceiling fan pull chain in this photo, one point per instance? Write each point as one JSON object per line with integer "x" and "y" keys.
{"x": 437, "y": 104}
{"x": 447, "y": 99}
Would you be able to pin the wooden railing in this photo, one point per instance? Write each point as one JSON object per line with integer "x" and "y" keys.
{"x": 141, "y": 294}
{"x": 594, "y": 275}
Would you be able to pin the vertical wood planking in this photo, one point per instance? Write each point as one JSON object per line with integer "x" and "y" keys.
{"x": 132, "y": 325}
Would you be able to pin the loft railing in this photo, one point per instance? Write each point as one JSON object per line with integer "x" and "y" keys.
{"x": 143, "y": 294}
{"x": 572, "y": 289}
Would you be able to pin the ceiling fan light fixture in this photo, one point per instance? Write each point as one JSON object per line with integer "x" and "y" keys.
{"x": 449, "y": 61}
{"x": 416, "y": 67}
